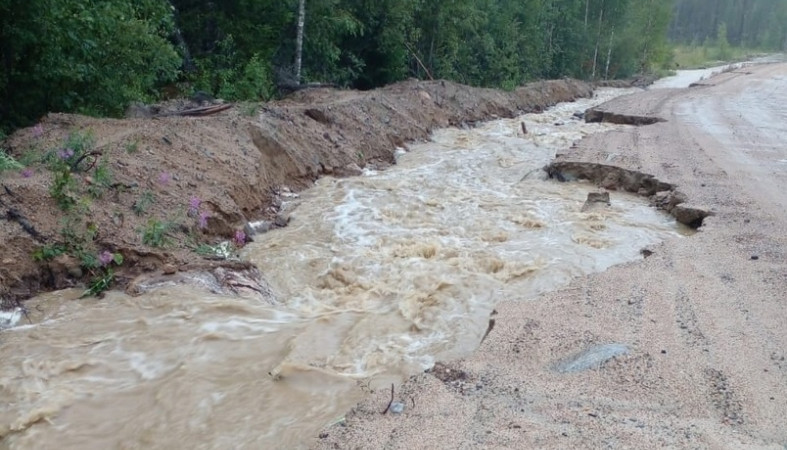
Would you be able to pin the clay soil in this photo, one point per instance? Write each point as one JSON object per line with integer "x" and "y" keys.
{"x": 237, "y": 163}
{"x": 704, "y": 317}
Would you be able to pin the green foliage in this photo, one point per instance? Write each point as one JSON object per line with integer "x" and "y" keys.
{"x": 102, "y": 179}
{"x": 97, "y": 56}
{"x": 73, "y": 156}
{"x": 145, "y": 200}
{"x": 48, "y": 252}
{"x": 722, "y": 44}
{"x": 100, "y": 283}
{"x": 254, "y": 83}
{"x": 249, "y": 109}
{"x": 7, "y": 162}
{"x": 219, "y": 251}
{"x": 105, "y": 277}
{"x": 132, "y": 146}
{"x": 700, "y": 57}
{"x": 752, "y": 24}
{"x": 226, "y": 74}
{"x": 91, "y": 57}
{"x": 155, "y": 233}
{"x": 64, "y": 189}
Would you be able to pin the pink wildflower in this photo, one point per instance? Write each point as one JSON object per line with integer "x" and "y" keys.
{"x": 38, "y": 131}
{"x": 65, "y": 153}
{"x": 27, "y": 173}
{"x": 194, "y": 204}
{"x": 105, "y": 258}
{"x": 240, "y": 238}
{"x": 203, "y": 219}
{"x": 164, "y": 178}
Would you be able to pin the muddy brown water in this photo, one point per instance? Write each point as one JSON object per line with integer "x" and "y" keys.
{"x": 376, "y": 278}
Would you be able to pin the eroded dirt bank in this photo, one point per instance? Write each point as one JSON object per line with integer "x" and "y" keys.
{"x": 695, "y": 331}
{"x": 187, "y": 181}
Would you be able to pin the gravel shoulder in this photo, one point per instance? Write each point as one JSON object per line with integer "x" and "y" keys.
{"x": 704, "y": 318}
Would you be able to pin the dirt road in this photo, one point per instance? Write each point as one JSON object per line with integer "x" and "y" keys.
{"x": 704, "y": 319}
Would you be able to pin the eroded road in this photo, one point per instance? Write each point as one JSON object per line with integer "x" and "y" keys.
{"x": 705, "y": 318}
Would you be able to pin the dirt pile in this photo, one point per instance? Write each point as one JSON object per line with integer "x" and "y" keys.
{"x": 163, "y": 188}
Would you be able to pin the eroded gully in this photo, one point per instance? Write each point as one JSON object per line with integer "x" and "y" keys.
{"x": 376, "y": 277}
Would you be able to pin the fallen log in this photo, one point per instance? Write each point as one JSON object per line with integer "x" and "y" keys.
{"x": 199, "y": 112}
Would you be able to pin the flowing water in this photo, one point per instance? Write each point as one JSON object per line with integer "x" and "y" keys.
{"x": 375, "y": 278}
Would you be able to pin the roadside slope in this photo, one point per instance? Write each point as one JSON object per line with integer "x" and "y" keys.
{"x": 704, "y": 318}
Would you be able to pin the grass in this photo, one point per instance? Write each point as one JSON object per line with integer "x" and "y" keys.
{"x": 64, "y": 190}
{"x": 132, "y": 146}
{"x": 249, "y": 109}
{"x": 702, "y": 57}
{"x": 48, "y": 252}
{"x": 102, "y": 179}
{"x": 155, "y": 233}
{"x": 218, "y": 251}
{"x": 144, "y": 202}
{"x": 7, "y": 162}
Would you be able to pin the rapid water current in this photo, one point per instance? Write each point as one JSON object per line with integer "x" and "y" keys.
{"x": 375, "y": 278}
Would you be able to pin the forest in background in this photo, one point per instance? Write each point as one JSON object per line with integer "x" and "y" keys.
{"x": 96, "y": 56}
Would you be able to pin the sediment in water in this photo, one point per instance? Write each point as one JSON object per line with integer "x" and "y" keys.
{"x": 237, "y": 163}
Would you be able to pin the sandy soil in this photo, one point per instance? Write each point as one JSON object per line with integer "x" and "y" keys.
{"x": 237, "y": 164}
{"x": 704, "y": 318}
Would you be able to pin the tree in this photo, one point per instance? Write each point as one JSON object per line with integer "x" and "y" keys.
{"x": 86, "y": 56}
{"x": 299, "y": 42}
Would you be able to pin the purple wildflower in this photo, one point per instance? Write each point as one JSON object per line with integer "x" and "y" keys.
{"x": 27, "y": 173}
{"x": 65, "y": 153}
{"x": 164, "y": 178}
{"x": 38, "y": 131}
{"x": 240, "y": 238}
{"x": 203, "y": 219}
{"x": 194, "y": 203}
{"x": 105, "y": 258}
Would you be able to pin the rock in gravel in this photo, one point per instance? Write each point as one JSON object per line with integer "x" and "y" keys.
{"x": 689, "y": 215}
{"x": 590, "y": 358}
{"x": 397, "y": 408}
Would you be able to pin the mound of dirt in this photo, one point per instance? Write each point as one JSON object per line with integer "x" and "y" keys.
{"x": 169, "y": 184}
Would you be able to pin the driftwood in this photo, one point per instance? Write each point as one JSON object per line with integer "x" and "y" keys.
{"x": 199, "y": 112}
{"x": 15, "y": 216}
{"x": 428, "y": 74}
{"x": 392, "y": 399}
{"x": 289, "y": 88}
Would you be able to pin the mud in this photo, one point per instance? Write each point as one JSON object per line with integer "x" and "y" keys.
{"x": 240, "y": 164}
{"x": 662, "y": 195}
{"x": 599, "y": 115}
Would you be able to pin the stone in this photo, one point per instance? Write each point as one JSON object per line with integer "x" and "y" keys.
{"x": 169, "y": 269}
{"x": 689, "y": 215}
{"x": 281, "y": 220}
{"x": 591, "y": 358}
{"x": 595, "y": 200}
{"x": 66, "y": 264}
{"x": 350, "y": 170}
{"x": 397, "y": 408}
{"x": 611, "y": 181}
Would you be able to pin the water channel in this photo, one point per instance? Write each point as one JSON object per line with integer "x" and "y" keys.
{"x": 376, "y": 277}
